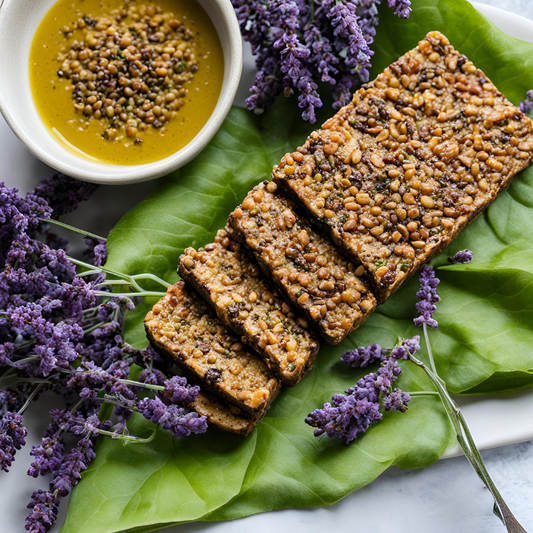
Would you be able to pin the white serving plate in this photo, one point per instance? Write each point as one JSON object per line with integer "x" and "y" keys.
{"x": 418, "y": 501}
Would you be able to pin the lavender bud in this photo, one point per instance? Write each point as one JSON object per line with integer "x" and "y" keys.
{"x": 428, "y": 298}
{"x": 402, "y": 8}
{"x": 47, "y": 456}
{"x": 525, "y": 105}
{"x": 363, "y": 356}
{"x": 44, "y": 506}
{"x": 12, "y": 438}
{"x": 405, "y": 348}
{"x": 172, "y": 418}
{"x": 464, "y": 256}
{"x": 397, "y": 401}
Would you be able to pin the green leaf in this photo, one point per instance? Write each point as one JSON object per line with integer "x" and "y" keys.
{"x": 482, "y": 344}
{"x": 166, "y": 480}
{"x": 146, "y": 487}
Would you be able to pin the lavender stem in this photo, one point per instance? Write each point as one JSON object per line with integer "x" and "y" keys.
{"x": 467, "y": 443}
{"x": 423, "y": 393}
{"x": 127, "y": 439}
{"x": 30, "y": 398}
{"x": 131, "y": 294}
{"x": 430, "y": 351}
{"x": 72, "y": 228}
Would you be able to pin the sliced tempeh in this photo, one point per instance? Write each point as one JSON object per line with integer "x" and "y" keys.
{"x": 222, "y": 416}
{"x": 183, "y": 327}
{"x": 420, "y": 152}
{"x": 229, "y": 279}
{"x": 306, "y": 267}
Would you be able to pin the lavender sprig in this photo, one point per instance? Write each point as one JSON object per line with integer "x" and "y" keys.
{"x": 402, "y": 8}
{"x": 62, "y": 330}
{"x": 364, "y": 355}
{"x": 527, "y": 103}
{"x": 44, "y": 508}
{"x": 349, "y": 415}
{"x": 12, "y": 435}
{"x": 428, "y": 298}
{"x": 463, "y": 256}
{"x": 298, "y": 43}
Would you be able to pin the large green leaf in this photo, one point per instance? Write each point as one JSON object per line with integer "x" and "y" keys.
{"x": 486, "y": 323}
{"x": 168, "y": 479}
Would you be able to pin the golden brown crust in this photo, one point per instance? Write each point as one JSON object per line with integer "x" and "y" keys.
{"x": 222, "y": 416}
{"x": 306, "y": 267}
{"x": 182, "y": 326}
{"x": 230, "y": 280}
{"x": 393, "y": 177}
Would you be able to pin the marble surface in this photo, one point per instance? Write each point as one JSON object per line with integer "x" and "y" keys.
{"x": 444, "y": 498}
{"x": 520, "y": 7}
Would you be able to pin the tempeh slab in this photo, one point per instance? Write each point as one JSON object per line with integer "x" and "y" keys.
{"x": 183, "y": 327}
{"x": 420, "y": 152}
{"x": 229, "y": 279}
{"x": 307, "y": 268}
{"x": 222, "y": 416}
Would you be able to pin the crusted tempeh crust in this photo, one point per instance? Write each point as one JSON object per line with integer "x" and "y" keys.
{"x": 307, "y": 268}
{"x": 223, "y": 416}
{"x": 182, "y": 326}
{"x": 230, "y": 280}
{"x": 421, "y": 151}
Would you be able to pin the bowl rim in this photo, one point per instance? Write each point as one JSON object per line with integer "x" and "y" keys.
{"x": 233, "y": 59}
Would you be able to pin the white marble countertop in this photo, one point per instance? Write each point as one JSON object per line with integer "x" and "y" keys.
{"x": 444, "y": 498}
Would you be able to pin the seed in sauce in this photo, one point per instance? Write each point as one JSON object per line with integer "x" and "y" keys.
{"x": 126, "y": 82}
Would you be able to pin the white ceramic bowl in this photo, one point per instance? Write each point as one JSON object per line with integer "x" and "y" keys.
{"x": 19, "y": 19}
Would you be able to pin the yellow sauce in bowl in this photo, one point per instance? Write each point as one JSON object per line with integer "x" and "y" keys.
{"x": 154, "y": 124}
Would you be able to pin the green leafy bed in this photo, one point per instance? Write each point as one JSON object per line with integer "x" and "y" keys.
{"x": 482, "y": 345}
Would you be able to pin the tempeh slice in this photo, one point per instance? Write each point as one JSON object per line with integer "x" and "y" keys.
{"x": 183, "y": 327}
{"x": 306, "y": 267}
{"x": 230, "y": 280}
{"x": 224, "y": 417}
{"x": 419, "y": 153}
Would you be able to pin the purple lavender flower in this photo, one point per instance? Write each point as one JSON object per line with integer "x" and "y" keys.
{"x": 96, "y": 252}
{"x": 525, "y": 105}
{"x": 364, "y": 355}
{"x": 405, "y": 348}
{"x": 397, "y": 401}
{"x": 12, "y": 434}
{"x": 178, "y": 391}
{"x": 44, "y": 509}
{"x": 64, "y": 420}
{"x": 47, "y": 456}
{"x": 50, "y": 318}
{"x": 428, "y": 298}
{"x": 464, "y": 256}
{"x": 172, "y": 418}
{"x": 368, "y": 18}
{"x": 300, "y": 42}
{"x": 152, "y": 377}
{"x": 347, "y": 419}
{"x": 20, "y": 213}
{"x": 402, "y": 8}
{"x": 322, "y": 56}
{"x": 345, "y": 22}
{"x": 12, "y": 398}
{"x": 72, "y": 466}
{"x": 62, "y": 193}
{"x": 350, "y": 414}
